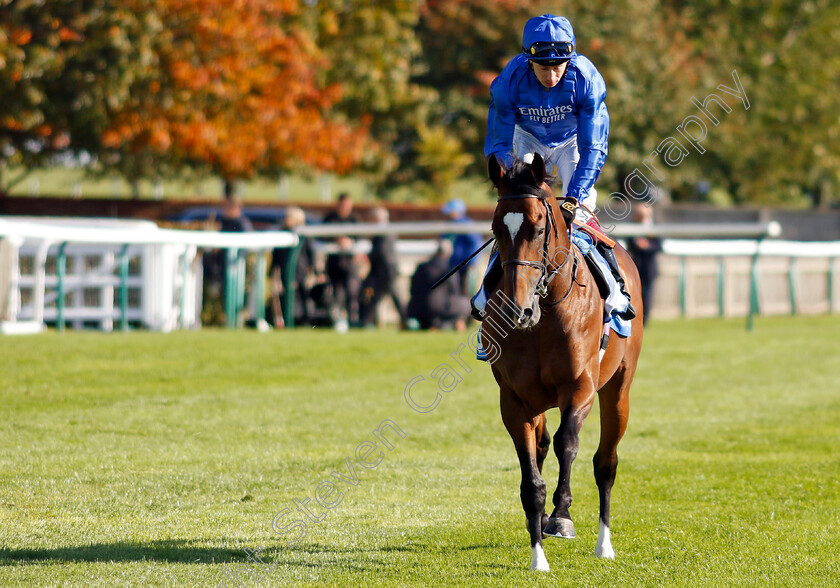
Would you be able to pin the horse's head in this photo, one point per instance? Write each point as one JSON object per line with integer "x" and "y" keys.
{"x": 527, "y": 232}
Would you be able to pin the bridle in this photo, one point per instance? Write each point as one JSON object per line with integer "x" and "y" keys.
{"x": 546, "y": 277}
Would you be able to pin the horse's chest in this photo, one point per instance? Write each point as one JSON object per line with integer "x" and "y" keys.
{"x": 539, "y": 359}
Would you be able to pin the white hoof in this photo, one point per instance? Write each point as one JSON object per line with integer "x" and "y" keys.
{"x": 604, "y": 547}
{"x": 538, "y": 561}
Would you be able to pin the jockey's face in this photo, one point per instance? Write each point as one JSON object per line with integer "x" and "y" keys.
{"x": 549, "y": 75}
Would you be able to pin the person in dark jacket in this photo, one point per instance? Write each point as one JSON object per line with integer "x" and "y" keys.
{"x": 215, "y": 261}
{"x": 445, "y": 306}
{"x": 381, "y": 280}
{"x": 342, "y": 271}
{"x": 644, "y": 251}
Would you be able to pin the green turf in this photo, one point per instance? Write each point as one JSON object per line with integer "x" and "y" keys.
{"x": 145, "y": 459}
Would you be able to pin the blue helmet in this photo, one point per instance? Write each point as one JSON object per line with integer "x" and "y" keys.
{"x": 548, "y": 39}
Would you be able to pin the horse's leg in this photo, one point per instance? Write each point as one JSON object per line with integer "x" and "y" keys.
{"x": 522, "y": 429}
{"x": 543, "y": 443}
{"x": 614, "y": 400}
{"x": 566, "y": 447}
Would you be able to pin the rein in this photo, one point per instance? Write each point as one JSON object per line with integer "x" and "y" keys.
{"x": 551, "y": 224}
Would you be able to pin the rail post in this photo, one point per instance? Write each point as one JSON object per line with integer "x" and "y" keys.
{"x": 289, "y": 288}
{"x": 124, "y": 288}
{"x": 60, "y": 271}
{"x": 754, "y": 306}
{"x": 231, "y": 287}
{"x": 683, "y": 276}
{"x": 260, "y": 276}
{"x": 792, "y": 285}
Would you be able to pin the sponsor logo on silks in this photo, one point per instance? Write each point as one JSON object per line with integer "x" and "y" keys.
{"x": 544, "y": 115}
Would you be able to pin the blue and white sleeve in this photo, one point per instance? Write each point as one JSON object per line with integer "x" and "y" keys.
{"x": 592, "y": 136}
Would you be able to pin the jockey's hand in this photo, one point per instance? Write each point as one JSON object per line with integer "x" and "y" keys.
{"x": 569, "y": 207}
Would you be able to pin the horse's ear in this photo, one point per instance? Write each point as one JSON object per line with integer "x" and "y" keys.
{"x": 494, "y": 170}
{"x": 538, "y": 169}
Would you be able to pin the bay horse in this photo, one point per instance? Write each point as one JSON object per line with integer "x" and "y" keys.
{"x": 547, "y": 321}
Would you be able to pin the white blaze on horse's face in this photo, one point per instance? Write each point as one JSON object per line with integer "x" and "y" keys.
{"x": 513, "y": 221}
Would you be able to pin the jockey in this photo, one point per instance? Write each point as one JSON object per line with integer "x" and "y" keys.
{"x": 550, "y": 100}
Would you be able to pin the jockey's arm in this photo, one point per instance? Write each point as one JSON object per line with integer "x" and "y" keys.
{"x": 592, "y": 136}
{"x": 501, "y": 123}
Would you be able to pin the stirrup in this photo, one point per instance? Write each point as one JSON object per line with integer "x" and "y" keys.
{"x": 628, "y": 314}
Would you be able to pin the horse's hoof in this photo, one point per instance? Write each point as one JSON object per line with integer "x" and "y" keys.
{"x": 605, "y": 552}
{"x": 563, "y": 528}
{"x": 538, "y": 561}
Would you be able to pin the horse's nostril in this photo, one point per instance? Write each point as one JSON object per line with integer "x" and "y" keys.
{"x": 526, "y": 315}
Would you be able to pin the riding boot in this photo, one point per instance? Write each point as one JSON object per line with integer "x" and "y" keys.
{"x": 609, "y": 256}
{"x": 488, "y": 284}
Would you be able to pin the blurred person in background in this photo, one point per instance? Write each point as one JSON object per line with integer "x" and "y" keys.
{"x": 215, "y": 261}
{"x": 233, "y": 219}
{"x": 463, "y": 245}
{"x": 280, "y": 260}
{"x": 444, "y": 307}
{"x": 382, "y": 277}
{"x": 644, "y": 251}
{"x": 342, "y": 270}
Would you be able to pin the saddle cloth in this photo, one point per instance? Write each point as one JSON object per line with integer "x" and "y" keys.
{"x": 598, "y": 267}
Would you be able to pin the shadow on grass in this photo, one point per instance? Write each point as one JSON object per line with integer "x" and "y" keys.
{"x": 171, "y": 550}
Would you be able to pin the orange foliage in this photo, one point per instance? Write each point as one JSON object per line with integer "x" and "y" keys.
{"x": 239, "y": 92}
{"x": 67, "y": 34}
{"x": 20, "y": 36}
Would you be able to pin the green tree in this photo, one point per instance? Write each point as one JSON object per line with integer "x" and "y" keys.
{"x": 466, "y": 43}
{"x": 421, "y": 72}
{"x": 787, "y": 54}
{"x": 373, "y": 52}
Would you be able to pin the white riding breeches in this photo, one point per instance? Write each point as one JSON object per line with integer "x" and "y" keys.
{"x": 559, "y": 161}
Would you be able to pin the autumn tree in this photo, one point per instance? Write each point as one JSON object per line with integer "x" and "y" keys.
{"x": 236, "y": 93}
{"x": 65, "y": 69}
{"x": 152, "y": 87}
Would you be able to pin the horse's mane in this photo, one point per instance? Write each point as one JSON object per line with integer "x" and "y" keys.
{"x": 519, "y": 177}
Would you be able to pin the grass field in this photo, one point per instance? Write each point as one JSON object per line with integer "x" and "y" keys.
{"x": 145, "y": 459}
